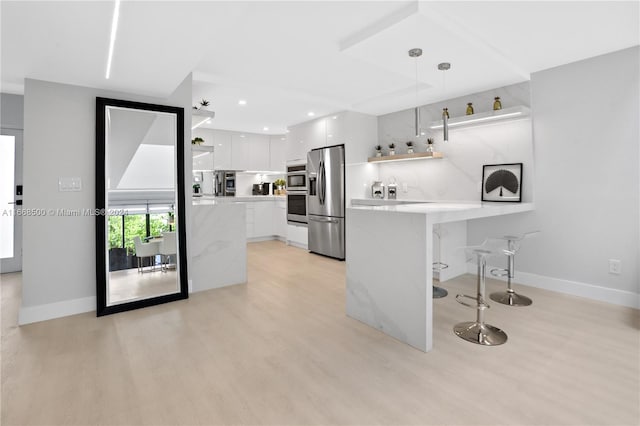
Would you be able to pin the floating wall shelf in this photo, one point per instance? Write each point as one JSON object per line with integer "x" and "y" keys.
{"x": 485, "y": 117}
{"x": 406, "y": 157}
{"x": 201, "y": 116}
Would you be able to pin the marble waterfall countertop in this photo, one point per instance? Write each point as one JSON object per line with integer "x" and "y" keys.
{"x": 390, "y": 252}
{"x": 211, "y": 199}
{"x": 442, "y": 211}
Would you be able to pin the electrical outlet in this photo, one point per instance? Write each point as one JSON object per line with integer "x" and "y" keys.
{"x": 615, "y": 266}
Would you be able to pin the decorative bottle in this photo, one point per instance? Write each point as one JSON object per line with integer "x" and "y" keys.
{"x": 469, "y": 108}
{"x": 445, "y": 111}
{"x": 496, "y": 103}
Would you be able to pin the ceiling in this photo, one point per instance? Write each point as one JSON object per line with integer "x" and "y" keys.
{"x": 287, "y": 59}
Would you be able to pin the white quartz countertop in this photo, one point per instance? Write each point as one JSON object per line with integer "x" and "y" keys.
{"x": 442, "y": 211}
{"x": 209, "y": 199}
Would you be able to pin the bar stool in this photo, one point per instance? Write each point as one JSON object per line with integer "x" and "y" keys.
{"x": 478, "y": 331}
{"x": 510, "y": 297}
{"x": 438, "y": 292}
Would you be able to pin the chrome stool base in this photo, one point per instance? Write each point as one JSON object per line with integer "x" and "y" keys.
{"x": 480, "y": 333}
{"x": 439, "y": 292}
{"x": 510, "y": 298}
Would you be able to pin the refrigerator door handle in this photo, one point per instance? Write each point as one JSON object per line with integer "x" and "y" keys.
{"x": 323, "y": 219}
{"x": 324, "y": 183}
{"x": 320, "y": 176}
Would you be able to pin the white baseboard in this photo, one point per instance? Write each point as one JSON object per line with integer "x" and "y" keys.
{"x": 30, "y": 314}
{"x": 297, "y": 244}
{"x": 269, "y": 238}
{"x": 575, "y": 288}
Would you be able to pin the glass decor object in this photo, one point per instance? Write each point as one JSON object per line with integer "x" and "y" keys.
{"x": 430, "y": 146}
{"x": 409, "y": 147}
{"x": 497, "y": 105}
{"x": 469, "y": 108}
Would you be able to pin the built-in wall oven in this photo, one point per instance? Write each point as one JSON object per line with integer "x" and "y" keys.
{"x": 297, "y": 192}
{"x": 297, "y": 176}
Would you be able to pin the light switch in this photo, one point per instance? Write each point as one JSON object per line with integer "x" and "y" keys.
{"x": 66, "y": 184}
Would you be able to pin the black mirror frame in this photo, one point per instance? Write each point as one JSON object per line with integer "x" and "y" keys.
{"x": 101, "y": 248}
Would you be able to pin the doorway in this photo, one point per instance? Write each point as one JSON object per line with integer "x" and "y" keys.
{"x": 10, "y": 200}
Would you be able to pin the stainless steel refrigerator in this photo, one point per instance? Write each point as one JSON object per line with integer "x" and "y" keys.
{"x": 325, "y": 201}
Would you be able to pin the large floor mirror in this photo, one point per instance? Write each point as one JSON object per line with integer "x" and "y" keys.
{"x": 140, "y": 238}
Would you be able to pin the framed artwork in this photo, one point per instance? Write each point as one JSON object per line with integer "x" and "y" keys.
{"x": 502, "y": 182}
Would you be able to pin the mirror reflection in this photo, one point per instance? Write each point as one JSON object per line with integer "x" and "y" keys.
{"x": 141, "y": 164}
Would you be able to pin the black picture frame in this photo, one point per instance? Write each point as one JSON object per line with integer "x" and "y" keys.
{"x": 502, "y": 182}
{"x": 101, "y": 248}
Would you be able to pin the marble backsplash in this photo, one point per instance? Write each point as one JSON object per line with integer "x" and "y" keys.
{"x": 458, "y": 175}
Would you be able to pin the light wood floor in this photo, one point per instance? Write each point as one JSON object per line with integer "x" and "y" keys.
{"x": 280, "y": 350}
{"x": 129, "y": 284}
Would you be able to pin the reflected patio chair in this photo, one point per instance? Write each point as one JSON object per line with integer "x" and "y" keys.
{"x": 168, "y": 247}
{"x": 145, "y": 250}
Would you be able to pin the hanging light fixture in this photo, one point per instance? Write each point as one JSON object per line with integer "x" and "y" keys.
{"x": 444, "y": 66}
{"x": 416, "y": 53}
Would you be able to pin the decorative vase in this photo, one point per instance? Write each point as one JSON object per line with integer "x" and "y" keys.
{"x": 378, "y": 153}
{"x": 469, "y": 108}
{"x": 392, "y": 152}
{"x": 497, "y": 105}
{"x": 409, "y": 150}
{"x": 430, "y": 149}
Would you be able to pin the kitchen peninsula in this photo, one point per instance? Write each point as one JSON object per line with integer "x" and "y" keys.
{"x": 389, "y": 261}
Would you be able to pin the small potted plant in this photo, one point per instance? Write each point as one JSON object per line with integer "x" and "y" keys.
{"x": 279, "y": 184}
{"x": 378, "y": 150}
{"x": 410, "y": 147}
{"x": 197, "y": 141}
{"x": 203, "y": 104}
{"x": 430, "y": 146}
{"x": 196, "y": 190}
{"x": 392, "y": 149}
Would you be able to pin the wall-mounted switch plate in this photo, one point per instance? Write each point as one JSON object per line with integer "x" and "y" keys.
{"x": 615, "y": 266}
{"x": 66, "y": 184}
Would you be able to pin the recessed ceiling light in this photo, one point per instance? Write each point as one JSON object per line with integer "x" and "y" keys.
{"x": 242, "y": 102}
{"x": 242, "y": 136}
{"x": 311, "y": 113}
{"x": 335, "y": 117}
{"x": 329, "y": 136}
{"x": 283, "y": 139}
{"x": 265, "y": 129}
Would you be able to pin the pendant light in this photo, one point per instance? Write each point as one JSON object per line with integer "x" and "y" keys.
{"x": 416, "y": 53}
{"x": 444, "y": 66}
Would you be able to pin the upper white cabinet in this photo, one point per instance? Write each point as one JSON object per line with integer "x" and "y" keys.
{"x": 258, "y": 155}
{"x": 277, "y": 153}
{"x": 240, "y": 152}
{"x": 358, "y": 132}
{"x": 221, "y": 149}
{"x": 249, "y": 151}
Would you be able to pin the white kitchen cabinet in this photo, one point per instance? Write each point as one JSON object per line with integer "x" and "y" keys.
{"x": 277, "y": 153}
{"x": 336, "y": 126}
{"x": 221, "y": 141}
{"x": 240, "y": 152}
{"x": 250, "y": 219}
{"x": 297, "y": 236}
{"x": 296, "y": 143}
{"x": 280, "y": 218}
{"x": 263, "y": 219}
{"x": 258, "y": 155}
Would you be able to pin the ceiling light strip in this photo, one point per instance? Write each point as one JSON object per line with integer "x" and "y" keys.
{"x": 114, "y": 30}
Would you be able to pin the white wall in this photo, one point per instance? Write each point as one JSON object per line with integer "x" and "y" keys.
{"x": 458, "y": 175}
{"x": 11, "y": 111}
{"x": 586, "y": 133}
{"x": 59, "y": 252}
